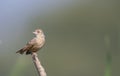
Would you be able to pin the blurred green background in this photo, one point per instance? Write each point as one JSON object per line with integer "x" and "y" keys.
{"x": 82, "y": 37}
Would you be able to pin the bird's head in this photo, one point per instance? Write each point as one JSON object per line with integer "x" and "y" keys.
{"x": 38, "y": 31}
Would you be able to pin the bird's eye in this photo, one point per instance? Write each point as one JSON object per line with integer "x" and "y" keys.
{"x": 38, "y": 31}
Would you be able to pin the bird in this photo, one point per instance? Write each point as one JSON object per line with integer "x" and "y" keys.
{"x": 35, "y": 44}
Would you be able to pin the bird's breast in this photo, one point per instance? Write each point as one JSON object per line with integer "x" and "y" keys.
{"x": 40, "y": 42}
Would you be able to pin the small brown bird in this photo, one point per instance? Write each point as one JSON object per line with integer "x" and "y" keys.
{"x": 35, "y": 44}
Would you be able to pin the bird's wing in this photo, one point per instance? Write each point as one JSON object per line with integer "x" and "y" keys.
{"x": 29, "y": 45}
{"x": 32, "y": 42}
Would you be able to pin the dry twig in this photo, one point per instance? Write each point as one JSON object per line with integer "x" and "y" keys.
{"x": 38, "y": 66}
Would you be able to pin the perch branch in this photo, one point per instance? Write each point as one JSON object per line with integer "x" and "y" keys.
{"x": 38, "y": 66}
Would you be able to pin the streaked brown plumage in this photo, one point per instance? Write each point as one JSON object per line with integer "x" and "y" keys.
{"x": 35, "y": 44}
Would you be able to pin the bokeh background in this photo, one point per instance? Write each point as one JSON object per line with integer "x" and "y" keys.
{"x": 82, "y": 37}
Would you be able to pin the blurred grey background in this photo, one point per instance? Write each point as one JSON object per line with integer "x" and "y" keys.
{"x": 79, "y": 34}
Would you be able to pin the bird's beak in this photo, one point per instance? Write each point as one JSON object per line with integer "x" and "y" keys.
{"x": 34, "y": 33}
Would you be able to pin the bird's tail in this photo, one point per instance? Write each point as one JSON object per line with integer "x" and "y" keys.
{"x": 21, "y": 51}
